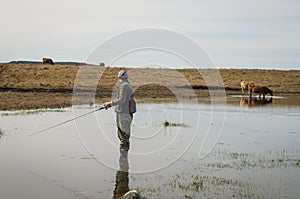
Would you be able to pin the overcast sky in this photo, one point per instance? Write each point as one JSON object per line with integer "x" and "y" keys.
{"x": 235, "y": 33}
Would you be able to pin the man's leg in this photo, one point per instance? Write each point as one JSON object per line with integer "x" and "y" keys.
{"x": 123, "y": 124}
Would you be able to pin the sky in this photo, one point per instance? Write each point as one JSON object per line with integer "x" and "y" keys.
{"x": 235, "y": 33}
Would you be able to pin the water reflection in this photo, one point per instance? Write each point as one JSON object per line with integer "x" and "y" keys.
{"x": 122, "y": 180}
{"x": 253, "y": 101}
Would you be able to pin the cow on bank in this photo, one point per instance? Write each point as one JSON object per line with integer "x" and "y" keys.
{"x": 257, "y": 88}
{"x": 48, "y": 61}
{"x": 243, "y": 86}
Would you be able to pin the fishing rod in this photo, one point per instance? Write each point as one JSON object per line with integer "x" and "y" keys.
{"x": 59, "y": 124}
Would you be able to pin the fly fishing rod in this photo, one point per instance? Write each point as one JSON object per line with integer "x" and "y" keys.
{"x": 51, "y": 127}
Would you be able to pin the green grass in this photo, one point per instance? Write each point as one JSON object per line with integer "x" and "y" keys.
{"x": 243, "y": 161}
{"x": 222, "y": 175}
{"x": 192, "y": 185}
{"x": 298, "y": 163}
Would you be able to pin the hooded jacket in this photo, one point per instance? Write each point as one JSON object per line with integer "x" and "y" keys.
{"x": 124, "y": 93}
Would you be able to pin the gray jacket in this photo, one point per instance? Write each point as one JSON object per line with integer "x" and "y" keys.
{"x": 124, "y": 93}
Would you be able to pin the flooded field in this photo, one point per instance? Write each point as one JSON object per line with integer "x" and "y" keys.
{"x": 241, "y": 149}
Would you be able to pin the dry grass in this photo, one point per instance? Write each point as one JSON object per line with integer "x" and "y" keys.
{"x": 37, "y": 76}
{"x": 26, "y": 86}
{"x": 33, "y": 100}
{"x": 283, "y": 82}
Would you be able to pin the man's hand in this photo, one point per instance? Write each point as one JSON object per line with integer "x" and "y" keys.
{"x": 107, "y": 105}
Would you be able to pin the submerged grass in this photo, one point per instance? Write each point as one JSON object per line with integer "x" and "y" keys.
{"x": 242, "y": 161}
{"x": 189, "y": 185}
{"x": 32, "y": 112}
{"x": 225, "y": 174}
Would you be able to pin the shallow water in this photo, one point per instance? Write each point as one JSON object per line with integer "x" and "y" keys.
{"x": 242, "y": 149}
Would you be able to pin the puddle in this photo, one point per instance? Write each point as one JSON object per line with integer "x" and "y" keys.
{"x": 256, "y": 155}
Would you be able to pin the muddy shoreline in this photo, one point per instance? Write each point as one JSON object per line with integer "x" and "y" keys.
{"x": 32, "y": 86}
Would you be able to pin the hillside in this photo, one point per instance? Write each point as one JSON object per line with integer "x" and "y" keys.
{"x": 27, "y": 86}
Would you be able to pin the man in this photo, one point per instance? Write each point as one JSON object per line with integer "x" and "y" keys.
{"x": 124, "y": 108}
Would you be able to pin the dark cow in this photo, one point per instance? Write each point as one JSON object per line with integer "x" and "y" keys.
{"x": 48, "y": 61}
{"x": 257, "y": 88}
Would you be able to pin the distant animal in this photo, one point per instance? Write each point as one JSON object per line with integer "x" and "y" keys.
{"x": 257, "y": 88}
{"x": 244, "y": 85}
{"x": 48, "y": 61}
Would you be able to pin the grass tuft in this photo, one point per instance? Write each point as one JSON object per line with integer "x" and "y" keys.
{"x": 169, "y": 124}
{"x": 1, "y": 133}
{"x": 298, "y": 163}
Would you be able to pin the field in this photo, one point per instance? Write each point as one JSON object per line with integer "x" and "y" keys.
{"x": 230, "y": 150}
{"x": 31, "y": 86}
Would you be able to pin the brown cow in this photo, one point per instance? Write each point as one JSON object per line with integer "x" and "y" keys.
{"x": 257, "y": 88}
{"x": 244, "y": 85}
{"x": 48, "y": 61}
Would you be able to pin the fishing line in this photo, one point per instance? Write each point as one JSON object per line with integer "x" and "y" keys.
{"x": 59, "y": 124}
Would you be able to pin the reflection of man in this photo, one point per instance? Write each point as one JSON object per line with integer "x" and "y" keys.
{"x": 125, "y": 106}
{"x": 122, "y": 180}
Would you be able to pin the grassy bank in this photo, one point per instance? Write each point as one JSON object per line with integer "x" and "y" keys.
{"x": 29, "y": 86}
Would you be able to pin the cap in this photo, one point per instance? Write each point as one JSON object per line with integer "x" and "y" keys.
{"x": 122, "y": 74}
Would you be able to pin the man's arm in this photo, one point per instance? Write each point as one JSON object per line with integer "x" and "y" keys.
{"x": 123, "y": 96}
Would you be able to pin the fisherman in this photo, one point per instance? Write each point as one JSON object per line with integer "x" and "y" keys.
{"x": 124, "y": 107}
